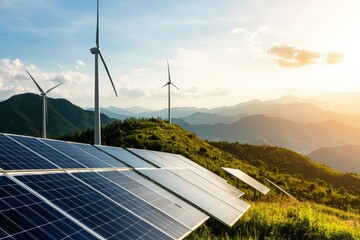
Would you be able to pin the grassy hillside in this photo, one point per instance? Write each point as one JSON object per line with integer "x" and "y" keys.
{"x": 270, "y": 215}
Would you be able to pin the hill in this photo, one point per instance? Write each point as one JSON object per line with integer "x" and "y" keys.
{"x": 273, "y": 217}
{"x": 260, "y": 129}
{"x": 22, "y": 114}
{"x": 343, "y": 158}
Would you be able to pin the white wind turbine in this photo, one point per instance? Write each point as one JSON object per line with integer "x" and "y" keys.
{"x": 43, "y": 94}
{"x": 168, "y": 84}
{"x": 96, "y": 52}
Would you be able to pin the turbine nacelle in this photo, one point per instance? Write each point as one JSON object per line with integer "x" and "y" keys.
{"x": 95, "y": 50}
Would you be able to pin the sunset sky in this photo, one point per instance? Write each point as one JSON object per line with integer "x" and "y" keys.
{"x": 220, "y": 52}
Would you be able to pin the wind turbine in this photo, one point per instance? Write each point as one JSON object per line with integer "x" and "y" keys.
{"x": 168, "y": 84}
{"x": 96, "y": 52}
{"x": 43, "y": 94}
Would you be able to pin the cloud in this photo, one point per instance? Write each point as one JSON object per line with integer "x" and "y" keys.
{"x": 141, "y": 70}
{"x": 287, "y": 56}
{"x": 218, "y": 92}
{"x": 131, "y": 92}
{"x": 334, "y": 57}
{"x": 79, "y": 64}
{"x": 237, "y": 31}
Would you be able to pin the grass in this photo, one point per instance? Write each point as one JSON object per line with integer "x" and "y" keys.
{"x": 281, "y": 218}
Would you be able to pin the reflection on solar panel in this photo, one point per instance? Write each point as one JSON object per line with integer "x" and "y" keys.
{"x": 126, "y": 157}
{"x": 282, "y": 190}
{"x": 14, "y": 156}
{"x": 100, "y": 155}
{"x": 211, "y": 188}
{"x": 48, "y": 152}
{"x": 91, "y": 208}
{"x": 178, "y": 210}
{"x": 216, "y": 207}
{"x": 152, "y": 157}
{"x": 156, "y": 188}
{"x": 247, "y": 179}
{"x": 77, "y": 154}
{"x": 25, "y": 216}
{"x": 134, "y": 204}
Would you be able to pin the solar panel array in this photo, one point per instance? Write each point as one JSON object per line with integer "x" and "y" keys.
{"x": 101, "y": 192}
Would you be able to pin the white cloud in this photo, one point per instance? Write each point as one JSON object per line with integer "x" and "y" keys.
{"x": 237, "y": 31}
{"x": 131, "y": 92}
{"x": 141, "y": 70}
{"x": 79, "y": 64}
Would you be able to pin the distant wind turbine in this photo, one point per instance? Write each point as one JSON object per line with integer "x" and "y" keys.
{"x": 43, "y": 94}
{"x": 168, "y": 84}
{"x": 96, "y": 52}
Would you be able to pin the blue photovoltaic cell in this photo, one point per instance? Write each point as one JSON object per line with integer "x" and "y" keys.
{"x": 77, "y": 154}
{"x": 156, "y": 188}
{"x": 25, "y": 216}
{"x": 212, "y": 205}
{"x": 134, "y": 204}
{"x": 14, "y": 156}
{"x": 100, "y": 155}
{"x": 176, "y": 208}
{"x": 91, "y": 208}
{"x": 126, "y": 157}
{"x": 48, "y": 152}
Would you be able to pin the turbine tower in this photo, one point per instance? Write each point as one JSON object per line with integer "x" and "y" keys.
{"x": 97, "y": 53}
{"x": 43, "y": 94}
{"x": 168, "y": 84}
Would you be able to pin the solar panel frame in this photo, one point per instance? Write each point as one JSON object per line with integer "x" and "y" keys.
{"x": 247, "y": 179}
{"x": 125, "y": 156}
{"x": 99, "y": 155}
{"x": 177, "y": 210}
{"x": 77, "y": 154}
{"x": 25, "y": 216}
{"x": 47, "y": 151}
{"x": 90, "y": 207}
{"x": 210, "y": 204}
{"x": 15, "y": 156}
{"x": 134, "y": 204}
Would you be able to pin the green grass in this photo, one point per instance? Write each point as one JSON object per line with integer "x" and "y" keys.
{"x": 280, "y": 218}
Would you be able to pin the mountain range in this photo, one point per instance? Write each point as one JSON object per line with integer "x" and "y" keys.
{"x": 299, "y": 126}
{"x": 22, "y": 114}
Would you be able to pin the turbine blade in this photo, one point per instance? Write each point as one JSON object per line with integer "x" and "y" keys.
{"x": 35, "y": 82}
{"x": 175, "y": 86}
{"x": 107, "y": 70}
{"x": 168, "y": 70}
{"x": 97, "y": 24}
{"x": 53, "y": 87}
{"x": 166, "y": 84}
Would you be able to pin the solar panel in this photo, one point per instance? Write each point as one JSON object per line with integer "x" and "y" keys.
{"x": 135, "y": 204}
{"x": 152, "y": 157}
{"x": 247, "y": 179}
{"x": 212, "y": 189}
{"x": 178, "y": 210}
{"x": 91, "y": 208}
{"x": 14, "y": 156}
{"x": 47, "y": 151}
{"x": 126, "y": 157}
{"x": 212, "y": 205}
{"x": 25, "y": 216}
{"x": 76, "y": 154}
{"x": 100, "y": 155}
{"x": 278, "y": 187}
{"x": 156, "y": 188}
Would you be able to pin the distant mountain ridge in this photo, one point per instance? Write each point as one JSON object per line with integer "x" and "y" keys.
{"x": 22, "y": 114}
{"x": 342, "y": 158}
{"x": 261, "y": 129}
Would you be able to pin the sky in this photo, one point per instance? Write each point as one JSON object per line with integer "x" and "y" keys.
{"x": 220, "y": 52}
